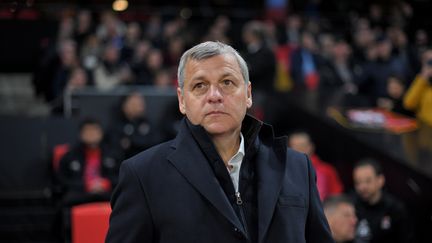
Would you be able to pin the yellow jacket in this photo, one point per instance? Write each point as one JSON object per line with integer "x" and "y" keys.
{"x": 418, "y": 98}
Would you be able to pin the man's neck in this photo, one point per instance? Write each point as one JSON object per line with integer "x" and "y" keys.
{"x": 374, "y": 200}
{"x": 227, "y": 145}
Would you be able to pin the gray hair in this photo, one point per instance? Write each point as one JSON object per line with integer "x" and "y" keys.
{"x": 206, "y": 50}
{"x": 332, "y": 202}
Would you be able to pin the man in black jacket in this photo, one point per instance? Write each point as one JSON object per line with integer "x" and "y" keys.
{"x": 381, "y": 217}
{"x": 89, "y": 171}
{"x": 225, "y": 177}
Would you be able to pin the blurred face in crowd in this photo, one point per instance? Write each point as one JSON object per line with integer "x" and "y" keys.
{"x": 154, "y": 59}
{"x": 395, "y": 88}
{"x": 368, "y": 183}
{"x": 133, "y": 31}
{"x": 163, "y": 79}
{"x": 111, "y": 54}
{"x": 91, "y": 135}
{"x": 134, "y": 106}
{"x": 301, "y": 142}
{"x": 341, "y": 50}
{"x": 308, "y": 41}
{"x": 78, "y": 79}
{"x": 342, "y": 221}
{"x": 68, "y": 53}
{"x": 384, "y": 48}
{"x": 214, "y": 94}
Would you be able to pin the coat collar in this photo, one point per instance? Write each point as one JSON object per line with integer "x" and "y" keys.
{"x": 191, "y": 162}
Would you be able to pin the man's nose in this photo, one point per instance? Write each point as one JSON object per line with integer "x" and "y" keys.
{"x": 215, "y": 94}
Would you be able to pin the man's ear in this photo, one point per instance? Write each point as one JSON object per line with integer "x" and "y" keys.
{"x": 249, "y": 95}
{"x": 381, "y": 180}
{"x": 180, "y": 98}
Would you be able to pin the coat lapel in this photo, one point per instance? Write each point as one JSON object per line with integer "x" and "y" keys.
{"x": 188, "y": 159}
{"x": 270, "y": 174}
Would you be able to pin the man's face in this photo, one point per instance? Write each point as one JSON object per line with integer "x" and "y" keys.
{"x": 301, "y": 143}
{"x": 367, "y": 183}
{"x": 343, "y": 222}
{"x": 215, "y": 94}
{"x": 91, "y": 135}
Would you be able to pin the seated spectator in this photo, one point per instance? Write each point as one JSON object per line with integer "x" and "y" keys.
{"x": 132, "y": 132}
{"x": 111, "y": 72}
{"x": 89, "y": 171}
{"x": 164, "y": 79}
{"x": 78, "y": 80}
{"x": 146, "y": 72}
{"x": 328, "y": 181}
{"x": 130, "y": 40}
{"x": 419, "y": 95}
{"x": 381, "y": 217}
{"x": 394, "y": 99}
{"x": 340, "y": 213}
{"x": 68, "y": 61}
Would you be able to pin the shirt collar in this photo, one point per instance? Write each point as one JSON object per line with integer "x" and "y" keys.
{"x": 241, "y": 150}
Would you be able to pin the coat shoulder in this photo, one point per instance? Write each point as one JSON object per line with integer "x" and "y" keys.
{"x": 151, "y": 156}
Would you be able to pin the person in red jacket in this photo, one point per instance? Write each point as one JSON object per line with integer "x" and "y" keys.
{"x": 328, "y": 181}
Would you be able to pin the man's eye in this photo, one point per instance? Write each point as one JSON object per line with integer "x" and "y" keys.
{"x": 227, "y": 82}
{"x": 199, "y": 86}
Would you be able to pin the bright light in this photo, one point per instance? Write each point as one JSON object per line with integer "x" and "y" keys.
{"x": 120, "y": 5}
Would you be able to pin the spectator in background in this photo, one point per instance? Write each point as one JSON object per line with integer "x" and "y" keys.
{"x": 421, "y": 42}
{"x": 419, "y": 95}
{"x": 394, "y": 99}
{"x": 373, "y": 81}
{"x": 164, "y": 79}
{"x": 90, "y": 52}
{"x": 111, "y": 30}
{"x": 111, "y": 71}
{"x": 326, "y": 43}
{"x": 132, "y": 132}
{"x": 259, "y": 57}
{"x": 68, "y": 61}
{"x": 404, "y": 51}
{"x": 89, "y": 171}
{"x": 382, "y": 218}
{"x": 293, "y": 26}
{"x": 340, "y": 213}
{"x": 138, "y": 60}
{"x": 339, "y": 71}
{"x": 328, "y": 181}
{"x": 153, "y": 63}
{"x": 78, "y": 80}
{"x": 173, "y": 52}
{"x": 130, "y": 41}
{"x": 363, "y": 39}
{"x": 305, "y": 63}
{"x": 84, "y": 27}
{"x": 218, "y": 31}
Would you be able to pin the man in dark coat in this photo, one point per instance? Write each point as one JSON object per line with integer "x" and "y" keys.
{"x": 225, "y": 177}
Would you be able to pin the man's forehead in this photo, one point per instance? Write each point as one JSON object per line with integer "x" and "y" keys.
{"x": 230, "y": 67}
{"x": 227, "y": 56}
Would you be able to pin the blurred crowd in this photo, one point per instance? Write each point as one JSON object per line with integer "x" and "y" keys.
{"x": 372, "y": 54}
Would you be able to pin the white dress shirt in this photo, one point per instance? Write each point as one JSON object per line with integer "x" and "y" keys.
{"x": 235, "y": 162}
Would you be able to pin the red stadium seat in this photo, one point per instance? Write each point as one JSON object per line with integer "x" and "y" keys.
{"x": 58, "y": 152}
{"x": 90, "y": 222}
